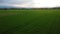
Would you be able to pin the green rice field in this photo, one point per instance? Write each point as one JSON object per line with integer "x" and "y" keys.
{"x": 30, "y": 21}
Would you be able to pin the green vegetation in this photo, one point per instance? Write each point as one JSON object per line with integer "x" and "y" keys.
{"x": 30, "y": 21}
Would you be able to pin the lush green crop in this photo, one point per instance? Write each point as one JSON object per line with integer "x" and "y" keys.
{"x": 30, "y": 21}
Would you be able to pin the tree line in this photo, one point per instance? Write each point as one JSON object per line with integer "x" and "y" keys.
{"x": 27, "y": 8}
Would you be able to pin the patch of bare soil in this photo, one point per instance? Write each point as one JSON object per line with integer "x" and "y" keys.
{"x": 8, "y": 14}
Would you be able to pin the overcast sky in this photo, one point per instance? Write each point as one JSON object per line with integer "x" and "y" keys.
{"x": 46, "y": 3}
{"x": 30, "y": 3}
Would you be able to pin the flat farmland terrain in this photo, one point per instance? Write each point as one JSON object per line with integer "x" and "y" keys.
{"x": 30, "y": 21}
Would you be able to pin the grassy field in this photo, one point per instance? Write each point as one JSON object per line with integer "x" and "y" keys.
{"x": 30, "y": 21}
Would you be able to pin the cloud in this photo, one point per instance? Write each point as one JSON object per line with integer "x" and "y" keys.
{"x": 16, "y": 3}
{"x": 46, "y": 3}
{"x": 30, "y": 3}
